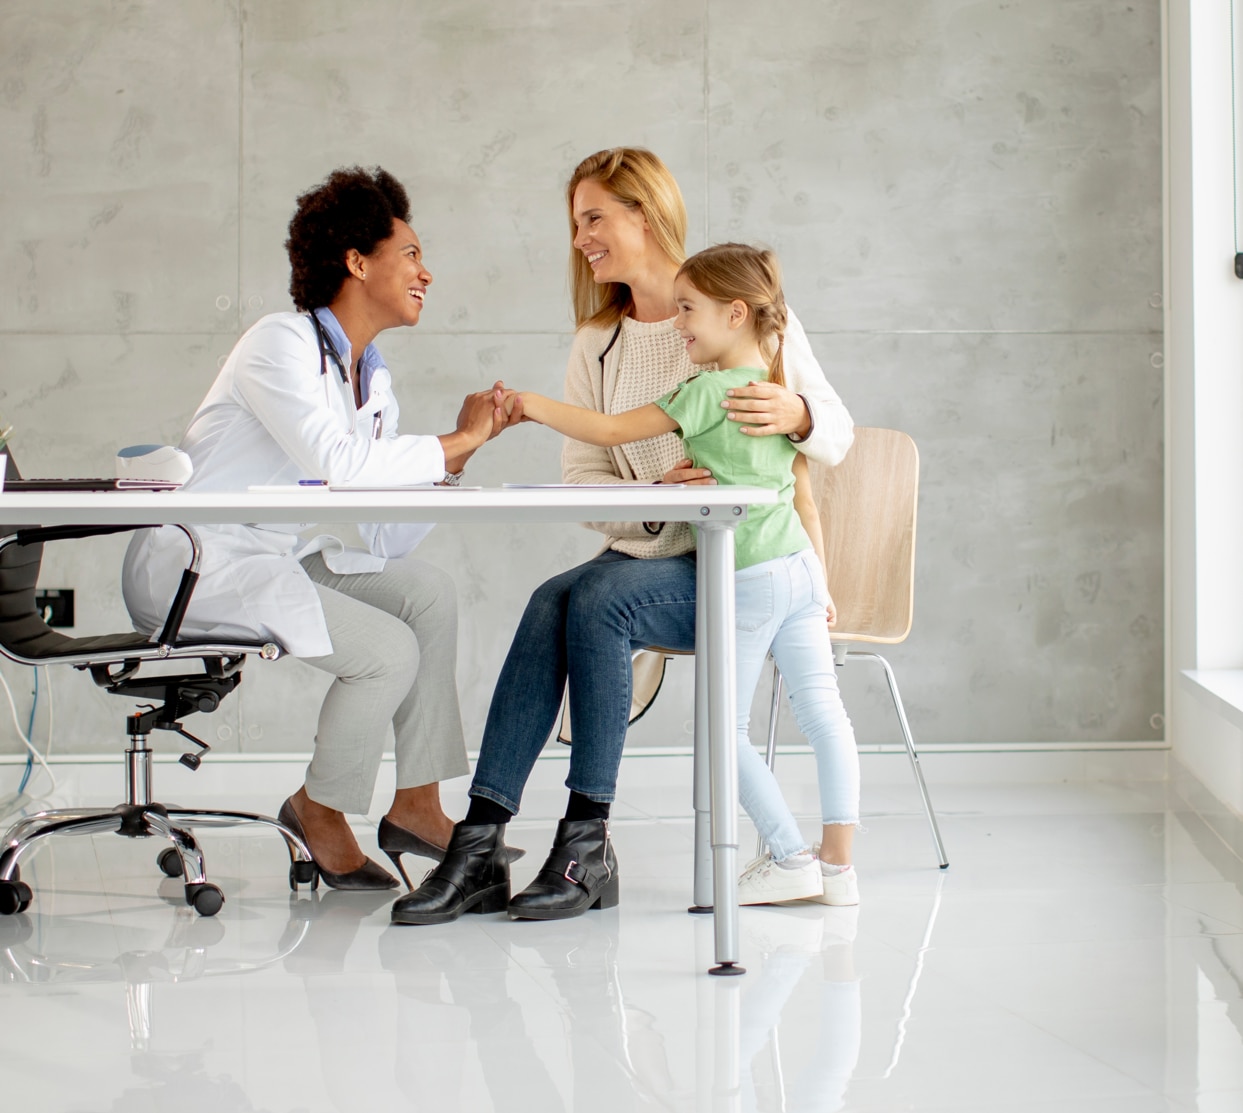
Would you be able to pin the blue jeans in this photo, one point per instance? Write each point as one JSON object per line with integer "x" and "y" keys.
{"x": 581, "y": 626}
{"x": 780, "y": 608}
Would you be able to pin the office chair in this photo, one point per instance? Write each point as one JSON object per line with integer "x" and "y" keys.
{"x": 867, "y": 509}
{"x": 114, "y": 661}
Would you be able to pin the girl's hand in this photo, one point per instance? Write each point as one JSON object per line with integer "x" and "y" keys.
{"x": 684, "y": 471}
{"x": 508, "y": 408}
{"x": 766, "y": 409}
{"x": 831, "y": 610}
{"x": 526, "y": 406}
{"x": 510, "y": 402}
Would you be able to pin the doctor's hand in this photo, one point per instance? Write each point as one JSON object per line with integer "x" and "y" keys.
{"x": 766, "y": 409}
{"x": 481, "y": 417}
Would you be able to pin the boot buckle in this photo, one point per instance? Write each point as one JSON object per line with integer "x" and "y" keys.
{"x": 566, "y": 875}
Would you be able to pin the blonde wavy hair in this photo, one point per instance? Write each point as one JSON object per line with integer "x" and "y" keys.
{"x": 738, "y": 272}
{"x": 639, "y": 180}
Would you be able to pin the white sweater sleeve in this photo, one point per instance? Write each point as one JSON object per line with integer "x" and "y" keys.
{"x": 832, "y": 431}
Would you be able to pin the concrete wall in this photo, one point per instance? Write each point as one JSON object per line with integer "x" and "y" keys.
{"x": 966, "y": 197}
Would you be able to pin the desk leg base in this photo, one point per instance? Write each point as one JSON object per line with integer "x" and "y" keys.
{"x": 700, "y": 910}
{"x": 727, "y": 970}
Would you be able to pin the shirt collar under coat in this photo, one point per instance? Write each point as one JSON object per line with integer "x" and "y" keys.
{"x": 370, "y": 362}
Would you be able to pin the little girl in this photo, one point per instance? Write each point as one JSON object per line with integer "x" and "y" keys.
{"x": 732, "y": 314}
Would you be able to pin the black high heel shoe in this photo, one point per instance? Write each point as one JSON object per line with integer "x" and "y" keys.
{"x": 396, "y": 841}
{"x": 367, "y": 876}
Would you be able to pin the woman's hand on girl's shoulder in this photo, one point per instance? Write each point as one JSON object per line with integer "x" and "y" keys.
{"x": 766, "y": 409}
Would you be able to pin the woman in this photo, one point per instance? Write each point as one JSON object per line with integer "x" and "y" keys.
{"x": 307, "y": 396}
{"x": 629, "y": 226}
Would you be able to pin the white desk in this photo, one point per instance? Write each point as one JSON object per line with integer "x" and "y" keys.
{"x": 715, "y": 510}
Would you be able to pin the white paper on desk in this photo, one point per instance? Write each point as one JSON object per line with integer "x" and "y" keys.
{"x": 401, "y": 487}
{"x": 285, "y": 488}
{"x": 577, "y": 486}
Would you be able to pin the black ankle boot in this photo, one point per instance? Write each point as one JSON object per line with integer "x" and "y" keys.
{"x": 474, "y": 877}
{"x": 579, "y": 873}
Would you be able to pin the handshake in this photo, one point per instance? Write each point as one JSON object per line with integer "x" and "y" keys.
{"x": 484, "y": 415}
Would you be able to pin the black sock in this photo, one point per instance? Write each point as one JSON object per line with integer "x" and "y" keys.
{"x": 483, "y": 812}
{"x": 581, "y": 807}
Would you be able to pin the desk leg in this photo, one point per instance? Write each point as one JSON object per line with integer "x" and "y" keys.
{"x": 716, "y": 571}
{"x": 702, "y": 772}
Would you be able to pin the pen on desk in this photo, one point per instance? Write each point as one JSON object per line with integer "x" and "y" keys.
{"x": 312, "y": 483}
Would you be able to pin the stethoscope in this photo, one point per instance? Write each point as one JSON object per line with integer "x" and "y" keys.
{"x": 327, "y": 348}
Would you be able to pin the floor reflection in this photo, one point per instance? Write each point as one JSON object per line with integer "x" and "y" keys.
{"x": 815, "y": 949}
{"x": 1083, "y": 955}
{"x": 612, "y": 1043}
{"x": 169, "y": 1070}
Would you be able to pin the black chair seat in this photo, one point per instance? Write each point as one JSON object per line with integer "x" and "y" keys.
{"x": 32, "y": 639}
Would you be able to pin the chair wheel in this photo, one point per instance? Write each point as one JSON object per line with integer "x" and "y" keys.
{"x": 206, "y": 899}
{"x": 15, "y": 896}
{"x": 303, "y": 873}
{"x": 169, "y": 862}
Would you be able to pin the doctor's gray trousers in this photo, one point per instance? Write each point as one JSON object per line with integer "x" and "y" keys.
{"x": 394, "y": 657}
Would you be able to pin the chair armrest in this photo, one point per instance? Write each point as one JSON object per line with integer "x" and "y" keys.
{"x": 177, "y": 611}
{"x": 34, "y": 535}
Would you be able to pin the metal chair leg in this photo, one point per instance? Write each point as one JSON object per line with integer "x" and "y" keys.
{"x": 771, "y": 756}
{"x": 840, "y": 654}
{"x": 910, "y": 752}
{"x": 773, "y": 712}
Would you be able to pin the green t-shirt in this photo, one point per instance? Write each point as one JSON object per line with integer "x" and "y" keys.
{"x": 712, "y": 441}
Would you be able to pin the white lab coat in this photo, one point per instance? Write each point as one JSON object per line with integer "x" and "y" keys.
{"x": 272, "y": 417}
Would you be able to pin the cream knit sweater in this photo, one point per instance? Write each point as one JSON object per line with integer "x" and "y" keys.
{"x": 648, "y": 361}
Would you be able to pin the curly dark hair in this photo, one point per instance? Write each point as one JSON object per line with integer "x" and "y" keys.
{"x": 352, "y": 207}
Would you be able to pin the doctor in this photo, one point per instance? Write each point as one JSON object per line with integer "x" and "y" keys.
{"x": 307, "y": 396}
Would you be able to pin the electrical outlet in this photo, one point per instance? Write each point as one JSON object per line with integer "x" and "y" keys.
{"x": 58, "y": 603}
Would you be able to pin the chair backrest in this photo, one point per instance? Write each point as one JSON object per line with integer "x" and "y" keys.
{"x": 22, "y": 631}
{"x": 867, "y": 510}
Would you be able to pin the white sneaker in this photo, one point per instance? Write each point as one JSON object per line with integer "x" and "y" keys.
{"x": 765, "y": 882}
{"x": 839, "y": 889}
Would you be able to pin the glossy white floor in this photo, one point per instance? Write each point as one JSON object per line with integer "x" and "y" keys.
{"x": 1084, "y": 952}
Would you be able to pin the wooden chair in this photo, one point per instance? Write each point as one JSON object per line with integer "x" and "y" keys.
{"x": 867, "y": 509}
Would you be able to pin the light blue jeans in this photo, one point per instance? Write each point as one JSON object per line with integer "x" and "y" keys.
{"x": 780, "y": 608}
